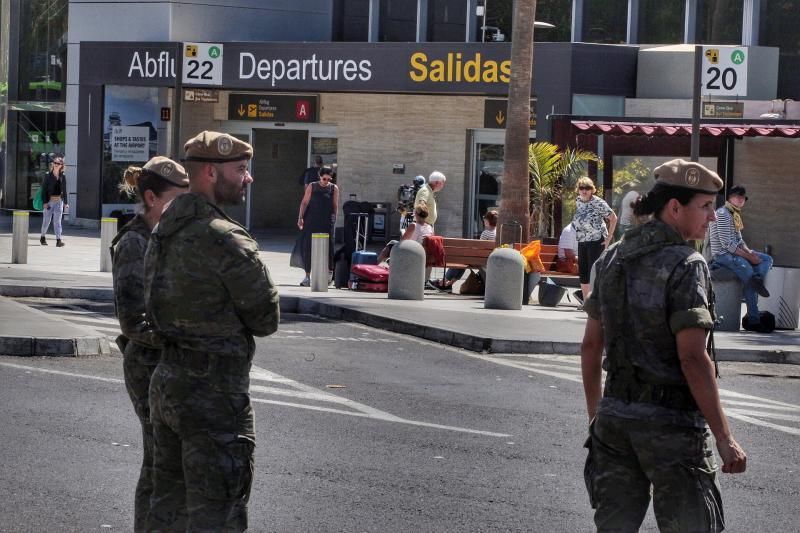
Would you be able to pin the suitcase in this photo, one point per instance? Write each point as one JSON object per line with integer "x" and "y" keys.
{"x": 362, "y": 257}
{"x": 370, "y": 273}
{"x": 360, "y": 285}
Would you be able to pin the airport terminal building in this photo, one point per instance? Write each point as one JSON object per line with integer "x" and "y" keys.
{"x": 389, "y": 89}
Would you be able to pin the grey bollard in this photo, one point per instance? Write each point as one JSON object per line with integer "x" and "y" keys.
{"x": 728, "y": 299}
{"x": 108, "y": 230}
{"x": 319, "y": 262}
{"x": 505, "y": 270}
{"x": 19, "y": 242}
{"x": 407, "y": 271}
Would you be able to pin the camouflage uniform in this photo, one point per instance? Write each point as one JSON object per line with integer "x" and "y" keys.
{"x": 208, "y": 293}
{"x": 648, "y": 429}
{"x": 140, "y": 345}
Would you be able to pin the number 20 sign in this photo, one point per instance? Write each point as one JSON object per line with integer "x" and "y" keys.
{"x": 202, "y": 63}
{"x": 724, "y": 71}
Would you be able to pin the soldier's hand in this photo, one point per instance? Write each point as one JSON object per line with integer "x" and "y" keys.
{"x": 734, "y": 460}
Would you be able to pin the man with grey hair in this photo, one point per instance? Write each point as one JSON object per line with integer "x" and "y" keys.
{"x": 426, "y": 196}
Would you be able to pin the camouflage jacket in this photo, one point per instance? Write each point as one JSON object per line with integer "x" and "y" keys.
{"x": 648, "y": 287}
{"x": 138, "y": 340}
{"x": 205, "y": 286}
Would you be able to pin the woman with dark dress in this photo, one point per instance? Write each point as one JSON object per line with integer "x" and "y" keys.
{"x": 317, "y": 215}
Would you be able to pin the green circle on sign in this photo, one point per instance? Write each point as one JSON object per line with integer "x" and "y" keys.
{"x": 214, "y": 52}
{"x": 737, "y": 57}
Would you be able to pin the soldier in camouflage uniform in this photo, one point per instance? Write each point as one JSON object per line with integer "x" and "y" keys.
{"x": 650, "y": 311}
{"x": 153, "y": 186}
{"x": 208, "y": 294}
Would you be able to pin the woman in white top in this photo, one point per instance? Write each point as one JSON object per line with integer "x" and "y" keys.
{"x": 594, "y": 224}
{"x": 417, "y": 231}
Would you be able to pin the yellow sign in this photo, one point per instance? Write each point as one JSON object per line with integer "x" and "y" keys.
{"x": 712, "y": 54}
{"x": 500, "y": 118}
{"x": 191, "y": 50}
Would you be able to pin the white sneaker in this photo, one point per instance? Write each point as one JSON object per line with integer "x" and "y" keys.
{"x": 305, "y": 283}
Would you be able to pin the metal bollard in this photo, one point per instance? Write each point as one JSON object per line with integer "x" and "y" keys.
{"x": 319, "y": 261}
{"x": 504, "y": 278}
{"x": 19, "y": 242}
{"x": 108, "y": 230}
{"x": 407, "y": 271}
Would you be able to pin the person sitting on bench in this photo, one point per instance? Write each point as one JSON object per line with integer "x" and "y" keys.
{"x": 729, "y": 250}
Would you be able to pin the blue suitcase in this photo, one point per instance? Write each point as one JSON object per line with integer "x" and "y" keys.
{"x": 362, "y": 257}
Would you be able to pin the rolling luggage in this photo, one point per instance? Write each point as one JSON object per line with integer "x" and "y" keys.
{"x": 373, "y": 278}
{"x": 363, "y": 257}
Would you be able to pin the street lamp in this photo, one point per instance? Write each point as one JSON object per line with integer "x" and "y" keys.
{"x": 481, "y": 11}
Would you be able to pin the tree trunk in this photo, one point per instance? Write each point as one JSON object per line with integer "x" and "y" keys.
{"x": 514, "y": 191}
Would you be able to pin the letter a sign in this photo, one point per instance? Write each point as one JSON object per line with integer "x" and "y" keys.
{"x": 302, "y": 110}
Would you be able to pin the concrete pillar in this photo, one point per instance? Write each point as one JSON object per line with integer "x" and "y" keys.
{"x": 319, "y": 262}
{"x": 407, "y": 271}
{"x": 504, "y": 279}
{"x": 728, "y": 299}
{"x": 108, "y": 230}
{"x": 19, "y": 241}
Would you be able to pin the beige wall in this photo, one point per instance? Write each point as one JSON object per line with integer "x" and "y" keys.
{"x": 770, "y": 169}
{"x": 425, "y": 133}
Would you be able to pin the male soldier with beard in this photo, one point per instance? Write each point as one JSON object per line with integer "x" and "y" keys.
{"x": 207, "y": 294}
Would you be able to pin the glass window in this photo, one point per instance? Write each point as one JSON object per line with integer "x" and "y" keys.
{"x": 130, "y": 134}
{"x": 496, "y": 19}
{"x": 661, "y": 21}
{"x": 447, "y": 20}
{"x": 398, "y": 20}
{"x": 351, "y": 20}
{"x": 719, "y": 22}
{"x": 557, "y": 13}
{"x": 328, "y": 149}
{"x": 40, "y": 137}
{"x": 43, "y": 51}
{"x": 489, "y": 170}
{"x": 780, "y": 25}
{"x": 605, "y": 21}
{"x": 3, "y": 92}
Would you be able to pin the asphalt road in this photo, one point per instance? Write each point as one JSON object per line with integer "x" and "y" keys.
{"x": 364, "y": 430}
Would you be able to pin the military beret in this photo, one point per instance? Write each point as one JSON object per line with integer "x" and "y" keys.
{"x": 168, "y": 170}
{"x": 689, "y": 175}
{"x": 215, "y": 147}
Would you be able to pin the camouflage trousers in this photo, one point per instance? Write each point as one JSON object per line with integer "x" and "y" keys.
{"x": 628, "y": 457}
{"x": 204, "y": 452}
{"x": 137, "y": 381}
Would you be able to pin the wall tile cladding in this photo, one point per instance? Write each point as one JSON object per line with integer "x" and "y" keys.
{"x": 425, "y": 133}
{"x": 769, "y": 169}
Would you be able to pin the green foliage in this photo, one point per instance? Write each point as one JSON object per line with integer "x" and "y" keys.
{"x": 630, "y": 176}
{"x": 553, "y": 174}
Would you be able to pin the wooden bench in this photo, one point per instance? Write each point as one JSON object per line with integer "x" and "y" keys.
{"x": 474, "y": 253}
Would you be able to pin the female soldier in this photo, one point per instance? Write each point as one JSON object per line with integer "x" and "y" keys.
{"x": 649, "y": 310}
{"x": 154, "y": 186}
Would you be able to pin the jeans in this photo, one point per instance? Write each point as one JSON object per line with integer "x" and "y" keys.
{"x": 744, "y": 270}
{"x": 54, "y": 210}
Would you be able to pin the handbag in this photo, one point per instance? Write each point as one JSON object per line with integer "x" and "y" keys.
{"x": 473, "y": 285}
{"x": 38, "y": 202}
{"x": 567, "y": 266}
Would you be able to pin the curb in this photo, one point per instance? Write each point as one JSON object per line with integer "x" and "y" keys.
{"x": 480, "y": 344}
{"x": 54, "y": 346}
{"x": 31, "y": 291}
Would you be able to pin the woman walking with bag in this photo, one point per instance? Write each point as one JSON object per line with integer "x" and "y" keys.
{"x": 591, "y": 216}
{"x": 317, "y": 215}
{"x": 54, "y": 200}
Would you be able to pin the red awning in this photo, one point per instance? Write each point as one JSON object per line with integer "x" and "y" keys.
{"x": 656, "y": 130}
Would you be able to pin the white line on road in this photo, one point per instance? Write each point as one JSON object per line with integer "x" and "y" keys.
{"x": 307, "y": 392}
{"x": 764, "y": 423}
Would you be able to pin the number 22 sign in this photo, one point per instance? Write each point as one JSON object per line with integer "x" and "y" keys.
{"x": 724, "y": 71}
{"x": 202, "y": 63}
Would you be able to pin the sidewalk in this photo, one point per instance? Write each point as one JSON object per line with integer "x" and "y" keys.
{"x": 460, "y": 321}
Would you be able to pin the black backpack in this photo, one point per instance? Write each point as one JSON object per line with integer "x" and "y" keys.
{"x": 766, "y": 323}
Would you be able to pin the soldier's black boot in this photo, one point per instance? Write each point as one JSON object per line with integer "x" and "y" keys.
{"x": 59, "y": 243}
{"x": 43, "y": 241}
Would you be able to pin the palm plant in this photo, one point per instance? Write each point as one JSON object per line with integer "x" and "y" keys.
{"x": 552, "y": 172}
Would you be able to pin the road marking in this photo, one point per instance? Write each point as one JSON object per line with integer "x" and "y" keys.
{"x": 327, "y": 338}
{"x": 303, "y": 391}
{"x": 62, "y": 373}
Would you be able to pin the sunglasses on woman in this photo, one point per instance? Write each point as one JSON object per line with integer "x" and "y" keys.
{"x": 584, "y": 188}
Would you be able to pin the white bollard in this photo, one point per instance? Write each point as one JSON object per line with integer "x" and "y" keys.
{"x": 504, "y": 278}
{"x": 407, "y": 271}
{"x": 19, "y": 242}
{"x": 320, "y": 250}
{"x": 108, "y": 230}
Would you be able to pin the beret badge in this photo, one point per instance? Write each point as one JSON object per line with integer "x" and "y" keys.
{"x": 224, "y": 145}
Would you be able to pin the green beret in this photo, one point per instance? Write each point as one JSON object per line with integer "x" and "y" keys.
{"x": 215, "y": 147}
{"x": 689, "y": 175}
{"x": 168, "y": 170}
